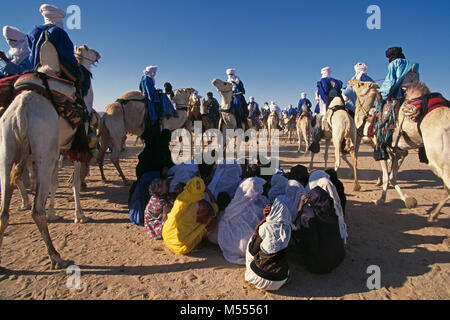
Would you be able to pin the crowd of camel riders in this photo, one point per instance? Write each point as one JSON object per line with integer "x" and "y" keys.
{"x": 50, "y": 118}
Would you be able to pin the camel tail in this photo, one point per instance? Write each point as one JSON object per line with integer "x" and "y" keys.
{"x": 23, "y": 145}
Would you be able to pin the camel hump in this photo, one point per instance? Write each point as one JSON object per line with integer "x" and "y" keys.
{"x": 133, "y": 95}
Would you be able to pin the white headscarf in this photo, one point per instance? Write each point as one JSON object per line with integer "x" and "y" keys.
{"x": 278, "y": 187}
{"x": 326, "y": 72}
{"x": 233, "y": 78}
{"x": 249, "y": 191}
{"x": 18, "y": 44}
{"x": 276, "y": 232}
{"x": 52, "y": 15}
{"x": 304, "y": 95}
{"x": 150, "y": 71}
{"x": 252, "y": 99}
{"x": 360, "y": 70}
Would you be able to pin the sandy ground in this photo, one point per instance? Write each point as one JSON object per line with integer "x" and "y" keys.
{"x": 119, "y": 261}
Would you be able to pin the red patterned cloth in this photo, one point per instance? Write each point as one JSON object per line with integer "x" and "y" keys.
{"x": 155, "y": 216}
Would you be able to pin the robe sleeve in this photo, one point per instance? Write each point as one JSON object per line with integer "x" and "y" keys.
{"x": 389, "y": 82}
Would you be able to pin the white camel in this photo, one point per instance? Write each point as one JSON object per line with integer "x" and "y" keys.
{"x": 31, "y": 123}
{"x": 435, "y": 137}
{"x": 87, "y": 57}
{"x": 339, "y": 126}
{"x": 304, "y": 132}
{"x": 127, "y": 115}
{"x": 227, "y": 118}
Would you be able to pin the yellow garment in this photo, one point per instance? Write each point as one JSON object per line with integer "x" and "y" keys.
{"x": 181, "y": 232}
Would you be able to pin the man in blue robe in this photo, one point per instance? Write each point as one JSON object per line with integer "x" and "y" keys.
{"x": 237, "y": 104}
{"x": 147, "y": 87}
{"x": 304, "y": 105}
{"x": 401, "y": 72}
{"x": 254, "y": 112}
{"x": 18, "y": 60}
{"x": 292, "y": 112}
{"x": 327, "y": 89}
{"x": 54, "y": 29}
{"x": 361, "y": 75}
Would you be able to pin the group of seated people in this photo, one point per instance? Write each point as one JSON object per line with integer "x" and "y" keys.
{"x": 254, "y": 219}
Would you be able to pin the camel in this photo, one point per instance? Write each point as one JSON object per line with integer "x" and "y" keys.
{"x": 290, "y": 127}
{"x": 194, "y": 112}
{"x": 87, "y": 57}
{"x": 339, "y": 126}
{"x": 31, "y": 123}
{"x": 127, "y": 116}
{"x": 227, "y": 118}
{"x": 435, "y": 137}
{"x": 304, "y": 132}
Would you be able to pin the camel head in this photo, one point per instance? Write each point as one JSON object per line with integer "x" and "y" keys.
{"x": 417, "y": 90}
{"x": 362, "y": 88}
{"x": 181, "y": 96}
{"x": 86, "y": 56}
{"x": 226, "y": 91}
{"x": 222, "y": 86}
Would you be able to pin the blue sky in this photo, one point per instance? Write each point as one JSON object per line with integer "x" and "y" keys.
{"x": 277, "y": 47}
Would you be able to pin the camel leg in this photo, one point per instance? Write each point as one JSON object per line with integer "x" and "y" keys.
{"x": 337, "y": 141}
{"x": 115, "y": 158}
{"x": 26, "y": 205}
{"x": 436, "y": 212}
{"x": 299, "y": 141}
{"x": 307, "y": 142}
{"x": 101, "y": 157}
{"x": 30, "y": 169}
{"x": 46, "y": 167}
{"x": 410, "y": 202}
{"x": 327, "y": 147}
{"x": 382, "y": 199}
{"x": 356, "y": 186}
{"x": 83, "y": 174}
{"x": 51, "y": 213}
{"x": 76, "y": 186}
{"x": 6, "y": 194}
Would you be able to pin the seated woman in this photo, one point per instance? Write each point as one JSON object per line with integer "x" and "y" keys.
{"x": 159, "y": 206}
{"x": 266, "y": 260}
{"x": 242, "y": 215}
{"x": 191, "y": 219}
{"x": 322, "y": 179}
{"x": 318, "y": 236}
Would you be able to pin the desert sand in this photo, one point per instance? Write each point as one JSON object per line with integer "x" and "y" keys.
{"x": 119, "y": 261}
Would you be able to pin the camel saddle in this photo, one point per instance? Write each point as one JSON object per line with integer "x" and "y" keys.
{"x": 60, "y": 92}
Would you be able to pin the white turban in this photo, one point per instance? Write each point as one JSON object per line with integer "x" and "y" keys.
{"x": 326, "y": 72}
{"x": 231, "y": 72}
{"x": 13, "y": 33}
{"x": 150, "y": 71}
{"x": 360, "y": 69}
{"x": 52, "y": 15}
{"x": 252, "y": 99}
{"x": 304, "y": 95}
{"x": 17, "y": 42}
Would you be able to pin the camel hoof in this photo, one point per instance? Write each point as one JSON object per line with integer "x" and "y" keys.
{"x": 82, "y": 220}
{"x": 356, "y": 188}
{"x": 410, "y": 203}
{"x": 433, "y": 217}
{"x": 379, "y": 182}
{"x": 61, "y": 264}
{"x": 53, "y": 218}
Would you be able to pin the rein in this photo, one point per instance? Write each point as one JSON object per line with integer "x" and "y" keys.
{"x": 82, "y": 57}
